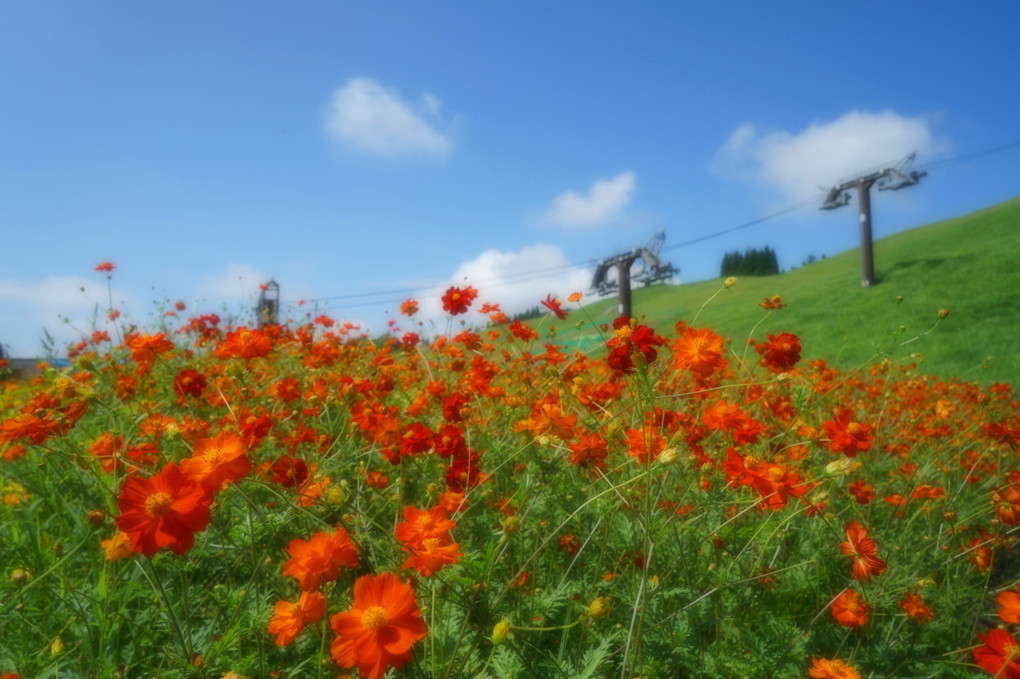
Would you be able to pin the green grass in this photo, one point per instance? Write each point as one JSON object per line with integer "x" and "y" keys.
{"x": 967, "y": 265}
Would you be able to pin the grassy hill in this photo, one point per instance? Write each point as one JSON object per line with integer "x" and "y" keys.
{"x": 968, "y": 265}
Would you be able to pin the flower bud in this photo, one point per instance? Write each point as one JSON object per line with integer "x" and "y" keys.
{"x": 598, "y": 608}
{"x": 730, "y": 282}
{"x": 95, "y": 518}
{"x": 943, "y": 313}
{"x": 511, "y": 525}
{"x": 500, "y": 631}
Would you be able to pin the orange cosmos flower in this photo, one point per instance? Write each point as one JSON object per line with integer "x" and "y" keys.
{"x": 165, "y": 510}
{"x": 145, "y": 348}
{"x": 773, "y": 302}
{"x": 217, "y": 461}
{"x": 290, "y": 618}
{"x": 914, "y": 606}
{"x": 379, "y": 630}
{"x": 409, "y": 307}
{"x": 700, "y": 351}
{"x": 645, "y": 444}
{"x": 863, "y": 550}
{"x": 118, "y": 547}
{"x": 245, "y": 343}
{"x": 1000, "y": 655}
{"x": 831, "y": 669}
{"x": 1010, "y": 602}
{"x": 849, "y": 610}
{"x": 432, "y": 554}
{"x": 320, "y": 558}
{"x": 106, "y": 267}
{"x": 575, "y": 297}
{"x": 27, "y": 426}
{"x": 420, "y": 525}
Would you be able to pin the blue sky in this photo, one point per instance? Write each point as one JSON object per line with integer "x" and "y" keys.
{"x": 353, "y": 147}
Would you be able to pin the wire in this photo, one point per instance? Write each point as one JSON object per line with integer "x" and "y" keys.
{"x": 428, "y": 290}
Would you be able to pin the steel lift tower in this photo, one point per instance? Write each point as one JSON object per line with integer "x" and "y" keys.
{"x": 654, "y": 269}
{"x": 889, "y": 179}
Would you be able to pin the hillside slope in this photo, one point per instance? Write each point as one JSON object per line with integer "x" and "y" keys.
{"x": 967, "y": 265}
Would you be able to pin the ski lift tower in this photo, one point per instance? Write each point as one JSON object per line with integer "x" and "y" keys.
{"x": 654, "y": 269}
{"x": 890, "y": 178}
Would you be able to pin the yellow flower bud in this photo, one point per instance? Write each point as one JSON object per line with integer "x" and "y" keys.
{"x": 500, "y": 631}
{"x": 598, "y": 608}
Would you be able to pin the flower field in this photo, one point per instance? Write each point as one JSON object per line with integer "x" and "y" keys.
{"x": 199, "y": 500}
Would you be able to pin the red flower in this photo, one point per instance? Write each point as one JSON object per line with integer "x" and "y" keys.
{"x": 862, "y": 491}
{"x": 165, "y": 510}
{"x": 780, "y": 353}
{"x": 378, "y": 631}
{"x": 554, "y": 306}
{"x": 846, "y": 436}
{"x": 320, "y": 558}
{"x": 999, "y": 655}
{"x": 457, "y": 300}
{"x": 105, "y": 267}
{"x": 290, "y": 618}
{"x": 863, "y": 550}
{"x": 190, "y": 382}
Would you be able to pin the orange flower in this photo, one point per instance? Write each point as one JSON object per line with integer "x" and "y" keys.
{"x": 165, "y": 510}
{"x": 28, "y": 426}
{"x": 914, "y": 606}
{"x": 245, "y": 343}
{"x": 432, "y": 554}
{"x": 773, "y": 302}
{"x": 290, "y": 618}
{"x": 863, "y": 550}
{"x": 105, "y": 266}
{"x": 699, "y": 351}
{"x": 645, "y": 444}
{"x": 409, "y": 307}
{"x": 379, "y": 630}
{"x": 831, "y": 669}
{"x": 320, "y": 558}
{"x": 117, "y": 547}
{"x": 1000, "y": 655}
{"x": 1010, "y": 602}
{"x": 217, "y": 461}
{"x": 420, "y": 525}
{"x": 849, "y": 610}
{"x": 145, "y": 348}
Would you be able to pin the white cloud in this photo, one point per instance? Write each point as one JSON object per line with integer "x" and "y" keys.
{"x": 26, "y": 307}
{"x": 367, "y": 117}
{"x": 237, "y": 283}
{"x": 604, "y": 202}
{"x": 802, "y": 166}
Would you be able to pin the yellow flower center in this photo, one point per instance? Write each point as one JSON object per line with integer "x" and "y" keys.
{"x": 430, "y": 544}
{"x": 374, "y": 618}
{"x": 853, "y": 428}
{"x": 624, "y": 332}
{"x": 212, "y": 455}
{"x": 157, "y": 504}
{"x": 424, "y": 522}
